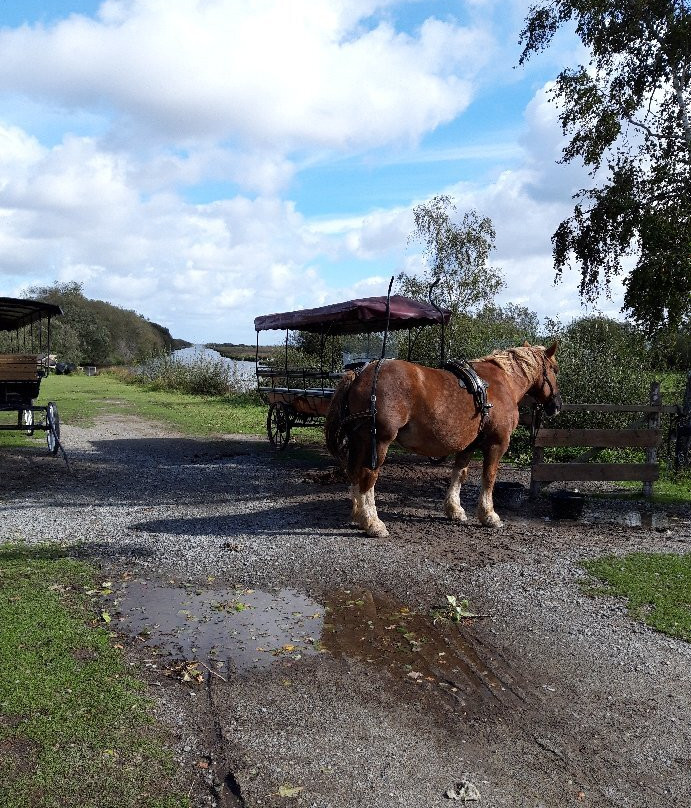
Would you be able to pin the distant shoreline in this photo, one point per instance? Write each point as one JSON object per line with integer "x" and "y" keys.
{"x": 243, "y": 353}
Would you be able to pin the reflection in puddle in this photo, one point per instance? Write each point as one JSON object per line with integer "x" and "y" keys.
{"x": 236, "y": 629}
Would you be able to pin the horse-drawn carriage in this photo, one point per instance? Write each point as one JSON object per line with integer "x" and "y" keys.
{"x": 26, "y": 324}
{"x": 300, "y": 396}
{"x": 456, "y": 409}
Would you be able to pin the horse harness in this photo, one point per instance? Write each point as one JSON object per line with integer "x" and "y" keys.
{"x": 470, "y": 381}
{"x": 371, "y": 413}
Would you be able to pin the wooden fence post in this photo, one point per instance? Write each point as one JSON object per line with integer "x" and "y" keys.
{"x": 538, "y": 453}
{"x": 653, "y": 423}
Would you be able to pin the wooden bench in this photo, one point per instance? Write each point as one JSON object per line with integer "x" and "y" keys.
{"x": 19, "y": 367}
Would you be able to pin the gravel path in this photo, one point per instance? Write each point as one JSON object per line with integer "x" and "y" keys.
{"x": 554, "y": 699}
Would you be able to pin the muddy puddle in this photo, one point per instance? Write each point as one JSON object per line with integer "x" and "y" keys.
{"x": 236, "y": 630}
{"x": 650, "y": 520}
{"x": 240, "y": 631}
{"x": 431, "y": 653}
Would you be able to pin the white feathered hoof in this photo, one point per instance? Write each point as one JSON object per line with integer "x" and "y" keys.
{"x": 490, "y": 520}
{"x": 452, "y": 511}
{"x": 377, "y": 529}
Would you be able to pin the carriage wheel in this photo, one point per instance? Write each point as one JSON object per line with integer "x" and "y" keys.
{"x": 278, "y": 425}
{"x": 28, "y": 421}
{"x": 53, "y": 428}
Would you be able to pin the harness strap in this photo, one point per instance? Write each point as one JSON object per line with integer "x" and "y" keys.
{"x": 348, "y": 417}
{"x": 373, "y": 412}
{"x": 354, "y": 417}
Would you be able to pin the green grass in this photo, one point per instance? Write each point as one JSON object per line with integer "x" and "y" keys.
{"x": 666, "y": 491}
{"x": 75, "y": 727}
{"x": 657, "y": 587}
{"x": 81, "y": 398}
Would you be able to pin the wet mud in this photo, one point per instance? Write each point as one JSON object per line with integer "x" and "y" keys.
{"x": 239, "y": 632}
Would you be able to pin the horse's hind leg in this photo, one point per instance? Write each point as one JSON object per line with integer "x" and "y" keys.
{"x": 492, "y": 454}
{"x": 364, "y": 510}
{"x": 452, "y": 501}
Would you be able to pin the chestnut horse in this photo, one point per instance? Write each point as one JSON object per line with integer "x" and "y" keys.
{"x": 428, "y": 412}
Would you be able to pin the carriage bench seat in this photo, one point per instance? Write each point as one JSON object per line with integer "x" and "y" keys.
{"x": 19, "y": 368}
{"x": 318, "y": 392}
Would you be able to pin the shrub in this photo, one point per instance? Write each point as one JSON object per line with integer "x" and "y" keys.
{"x": 200, "y": 375}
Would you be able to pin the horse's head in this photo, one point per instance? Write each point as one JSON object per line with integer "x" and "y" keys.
{"x": 546, "y": 390}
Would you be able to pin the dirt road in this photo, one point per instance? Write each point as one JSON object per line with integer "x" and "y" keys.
{"x": 299, "y": 662}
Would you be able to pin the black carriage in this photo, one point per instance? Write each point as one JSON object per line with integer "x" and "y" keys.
{"x": 27, "y": 361}
{"x": 300, "y": 396}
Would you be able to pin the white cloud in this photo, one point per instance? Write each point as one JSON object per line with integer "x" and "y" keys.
{"x": 246, "y": 96}
{"x": 269, "y": 73}
{"x": 72, "y": 212}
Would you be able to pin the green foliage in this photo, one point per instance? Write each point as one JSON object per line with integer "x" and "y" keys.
{"x": 200, "y": 376}
{"x": 92, "y": 332}
{"x": 75, "y": 727}
{"x": 457, "y": 258}
{"x": 308, "y": 350}
{"x": 679, "y": 354}
{"x": 601, "y": 361}
{"x": 628, "y": 115}
{"x": 656, "y": 586}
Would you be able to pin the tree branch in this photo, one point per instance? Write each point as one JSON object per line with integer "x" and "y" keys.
{"x": 645, "y": 128}
{"x": 685, "y": 122}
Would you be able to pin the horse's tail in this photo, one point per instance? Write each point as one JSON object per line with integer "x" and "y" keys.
{"x": 336, "y": 436}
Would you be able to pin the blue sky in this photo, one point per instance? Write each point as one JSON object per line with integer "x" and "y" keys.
{"x": 206, "y": 161}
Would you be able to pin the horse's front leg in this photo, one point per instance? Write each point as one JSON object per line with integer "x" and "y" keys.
{"x": 452, "y": 502}
{"x": 492, "y": 454}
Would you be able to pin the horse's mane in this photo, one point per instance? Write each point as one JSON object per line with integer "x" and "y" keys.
{"x": 525, "y": 359}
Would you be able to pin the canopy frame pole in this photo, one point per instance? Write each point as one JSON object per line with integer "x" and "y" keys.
{"x": 388, "y": 317}
{"x": 442, "y": 349}
{"x": 286, "y": 356}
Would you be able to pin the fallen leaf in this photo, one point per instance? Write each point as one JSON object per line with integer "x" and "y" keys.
{"x": 289, "y": 791}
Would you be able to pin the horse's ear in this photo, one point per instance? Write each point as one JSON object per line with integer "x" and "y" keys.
{"x": 526, "y": 344}
{"x": 549, "y": 352}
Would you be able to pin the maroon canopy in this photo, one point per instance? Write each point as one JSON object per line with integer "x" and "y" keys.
{"x": 355, "y": 316}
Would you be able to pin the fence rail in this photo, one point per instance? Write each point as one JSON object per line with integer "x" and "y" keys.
{"x": 649, "y": 438}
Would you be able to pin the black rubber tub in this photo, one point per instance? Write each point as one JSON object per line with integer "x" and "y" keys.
{"x": 509, "y": 494}
{"x": 566, "y": 504}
